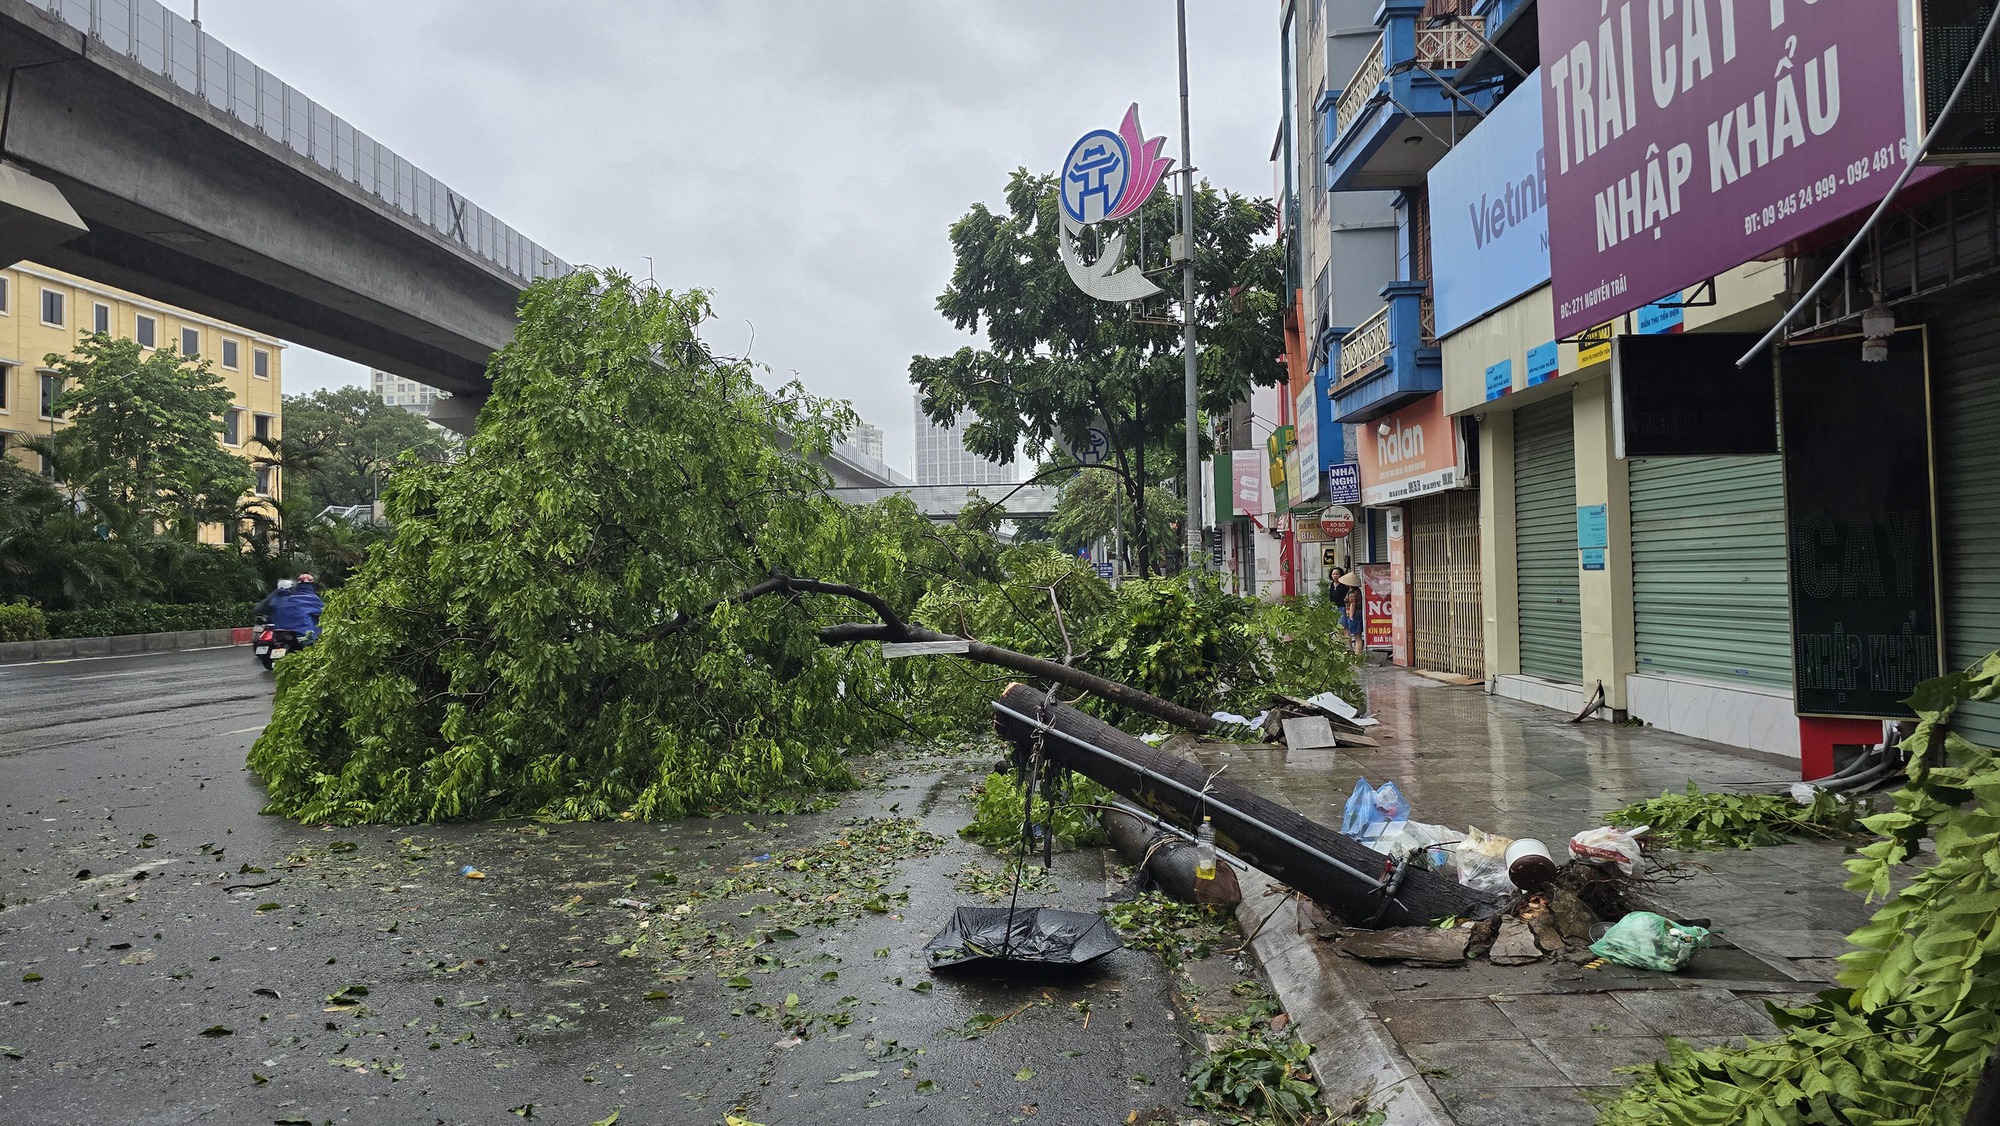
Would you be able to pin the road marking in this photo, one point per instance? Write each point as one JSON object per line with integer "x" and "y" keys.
{"x": 113, "y": 675}
{"x": 102, "y": 881}
{"x": 245, "y": 730}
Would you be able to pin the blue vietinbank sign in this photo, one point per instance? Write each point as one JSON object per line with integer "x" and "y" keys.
{"x": 1489, "y": 213}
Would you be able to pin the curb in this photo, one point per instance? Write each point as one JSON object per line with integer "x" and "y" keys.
{"x": 123, "y": 645}
{"x": 1353, "y": 1055}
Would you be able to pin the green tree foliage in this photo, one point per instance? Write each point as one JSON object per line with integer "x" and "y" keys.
{"x": 338, "y": 445}
{"x": 1056, "y": 361}
{"x": 58, "y": 551}
{"x": 1917, "y": 1011}
{"x": 1203, "y": 648}
{"x": 1092, "y": 504}
{"x": 141, "y": 447}
{"x": 552, "y": 626}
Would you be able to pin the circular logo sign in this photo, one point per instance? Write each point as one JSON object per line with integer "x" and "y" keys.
{"x": 1336, "y": 522}
{"x": 1095, "y": 449}
{"x": 1094, "y": 176}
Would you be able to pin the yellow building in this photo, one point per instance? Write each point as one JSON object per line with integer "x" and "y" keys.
{"x": 44, "y": 311}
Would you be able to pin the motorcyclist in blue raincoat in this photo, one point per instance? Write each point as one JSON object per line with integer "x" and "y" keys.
{"x": 298, "y": 609}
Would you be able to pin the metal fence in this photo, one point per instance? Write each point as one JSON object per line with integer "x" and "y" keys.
{"x": 169, "y": 46}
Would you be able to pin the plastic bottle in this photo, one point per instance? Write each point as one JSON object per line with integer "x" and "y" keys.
{"x": 1204, "y": 851}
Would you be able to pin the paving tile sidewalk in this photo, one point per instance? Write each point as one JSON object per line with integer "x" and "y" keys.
{"x": 1518, "y": 1045}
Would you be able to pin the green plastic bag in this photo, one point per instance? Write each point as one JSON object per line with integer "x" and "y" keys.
{"x": 1647, "y": 941}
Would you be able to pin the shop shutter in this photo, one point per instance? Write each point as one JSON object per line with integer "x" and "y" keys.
{"x": 1448, "y": 624}
{"x": 1545, "y": 541}
{"x": 1708, "y": 569}
{"x": 1965, "y": 429}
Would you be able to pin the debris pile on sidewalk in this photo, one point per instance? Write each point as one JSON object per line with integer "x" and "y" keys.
{"x": 1585, "y": 910}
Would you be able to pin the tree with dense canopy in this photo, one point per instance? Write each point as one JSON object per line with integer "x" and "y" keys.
{"x": 562, "y": 620}
{"x": 140, "y": 444}
{"x": 339, "y": 444}
{"x": 1057, "y": 361}
{"x": 628, "y": 599}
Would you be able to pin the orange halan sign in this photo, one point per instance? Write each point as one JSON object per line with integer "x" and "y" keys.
{"x": 1411, "y": 453}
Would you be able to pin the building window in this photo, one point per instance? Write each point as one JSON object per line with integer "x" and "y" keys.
{"x": 232, "y": 427}
{"x": 51, "y": 391}
{"x": 229, "y": 354}
{"x": 191, "y": 343}
{"x": 263, "y": 480}
{"x": 100, "y": 318}
{"x": 260, "y": 363}
{"x": 146, "y": 331}
{"x": 4, "y": 287}
{"x": 52, "y": 308}
{"x": 6, "y": 384}
{"x": 261, "y": 427}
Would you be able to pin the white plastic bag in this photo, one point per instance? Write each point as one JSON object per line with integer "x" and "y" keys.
{"x": 1482, "y": 862}
{"x": 1400, "y": 838}
{"x": 1610, "y": 844}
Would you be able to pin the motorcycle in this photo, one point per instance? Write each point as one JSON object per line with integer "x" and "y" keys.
{"x": 269, "y": 643}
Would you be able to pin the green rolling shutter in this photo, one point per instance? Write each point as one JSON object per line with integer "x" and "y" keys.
{"x": 1545, "y": 541}
{"x": 1965, "y": 436}
{"x": 1708, "y": 568}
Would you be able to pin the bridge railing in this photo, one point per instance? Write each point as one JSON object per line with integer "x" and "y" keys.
{"x": 167, "y": 45}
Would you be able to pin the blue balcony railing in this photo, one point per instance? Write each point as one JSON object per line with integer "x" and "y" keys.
{"x": 1393, "y": 119}
{"x": 1391, "y": 358}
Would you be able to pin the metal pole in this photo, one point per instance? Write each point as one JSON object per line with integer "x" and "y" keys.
{"x": 200, "y": 78}
{"x": 1197, "y": 559}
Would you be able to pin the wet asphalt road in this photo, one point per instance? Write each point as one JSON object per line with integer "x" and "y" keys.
{"x": 144, "y": 979}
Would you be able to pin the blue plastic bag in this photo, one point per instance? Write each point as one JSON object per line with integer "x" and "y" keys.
{"x": 1373, "y": 805}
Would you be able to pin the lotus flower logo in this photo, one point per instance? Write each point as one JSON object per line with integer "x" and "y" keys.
{"x": 1109, "y": 176}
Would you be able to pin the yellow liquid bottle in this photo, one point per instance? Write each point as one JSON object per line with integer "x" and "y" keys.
{"x": 1204, "y": 851}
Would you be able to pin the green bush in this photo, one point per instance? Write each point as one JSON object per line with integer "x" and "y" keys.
{"x": 997, "y": 809}
{"x": 22, "y": 622}
{"x": 115, "y": 621}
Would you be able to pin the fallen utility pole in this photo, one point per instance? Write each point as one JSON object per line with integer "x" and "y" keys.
{"x": 1341, "y": 874}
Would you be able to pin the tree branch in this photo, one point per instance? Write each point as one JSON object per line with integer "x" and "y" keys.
{"x": 1123, "y": 695}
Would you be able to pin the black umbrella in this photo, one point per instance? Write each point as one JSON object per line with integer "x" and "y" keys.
{"x": 1025, "y": 934}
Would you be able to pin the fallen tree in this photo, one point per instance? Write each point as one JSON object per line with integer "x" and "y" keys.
{"x": 626, "y": 600}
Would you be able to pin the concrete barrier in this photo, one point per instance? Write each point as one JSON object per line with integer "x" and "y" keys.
{"x": 123, "y": 645}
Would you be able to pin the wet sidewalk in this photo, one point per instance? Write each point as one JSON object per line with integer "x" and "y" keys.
{"x": 1480, "y": 1043}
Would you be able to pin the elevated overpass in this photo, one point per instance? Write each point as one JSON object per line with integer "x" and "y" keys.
{"x": 141, "y": 151}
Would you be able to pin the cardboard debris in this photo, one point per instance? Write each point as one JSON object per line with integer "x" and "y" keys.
{"x": 1572, "y": 918}
{"x": 1516, "y": 944}
{"x": 1429, "y": 946}
{"x": 1307, "y": 732}
{"x": 1340, "y": 730}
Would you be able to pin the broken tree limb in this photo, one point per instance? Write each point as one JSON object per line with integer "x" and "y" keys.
{"x": 894, "y": 630}
{"x": 1340, "y": 873}
{"x": 1123, "y": 695}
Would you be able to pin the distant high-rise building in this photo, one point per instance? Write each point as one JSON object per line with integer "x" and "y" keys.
{"x": 867, "y": 439}
{"x": 417, "y": 398}
{"x": 942, "y": 458}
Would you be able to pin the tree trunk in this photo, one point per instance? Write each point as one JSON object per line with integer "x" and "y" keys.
{"x": 1339, "y": 873}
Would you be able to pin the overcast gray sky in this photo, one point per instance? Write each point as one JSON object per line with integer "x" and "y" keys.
{"x": 802, "y": 160}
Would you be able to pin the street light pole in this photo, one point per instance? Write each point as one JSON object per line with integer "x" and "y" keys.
{"x": 1197, "y": 559}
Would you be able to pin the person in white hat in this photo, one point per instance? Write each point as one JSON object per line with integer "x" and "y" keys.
{"x": 1350, "y": 610}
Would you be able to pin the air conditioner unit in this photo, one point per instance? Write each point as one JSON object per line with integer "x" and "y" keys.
{"x": 1946, "y": 34}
